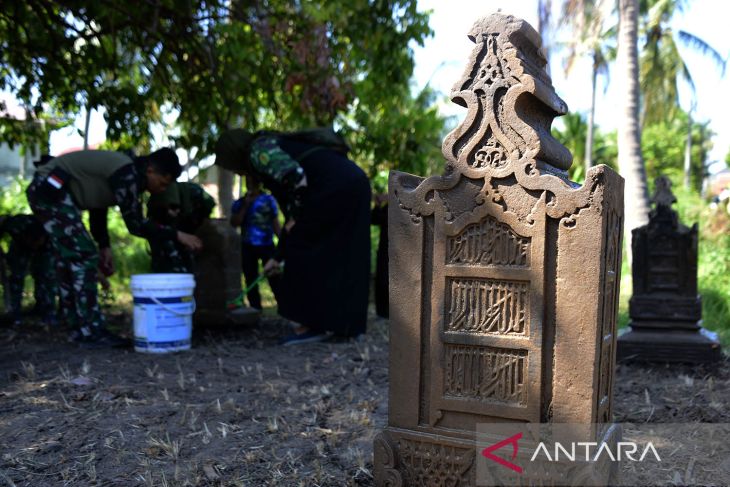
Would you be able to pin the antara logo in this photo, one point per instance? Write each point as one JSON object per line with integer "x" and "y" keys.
{"x": 623, "y": 450}
{"x": 512, "y": 440}
{"x": 573, "y": 451}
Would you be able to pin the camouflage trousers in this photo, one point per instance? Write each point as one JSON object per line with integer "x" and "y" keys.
{"x": 170, "y": 256}
{"x": 42, "y": 269}
{"x": 77, "y": 257}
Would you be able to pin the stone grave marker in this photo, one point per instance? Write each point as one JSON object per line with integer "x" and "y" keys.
{"x": 665, "y": 309}
{"x": 504, "y": 275}
{"x": 217, "y": 269}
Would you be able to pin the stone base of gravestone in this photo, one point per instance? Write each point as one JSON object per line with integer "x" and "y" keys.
{"x": 238, "y": 316}
{"x": 218, "y": 277}
{"x": 404, "y": 458}
{"x": 669, "y": 345}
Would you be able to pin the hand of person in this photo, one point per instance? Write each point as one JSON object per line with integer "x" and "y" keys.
{"x": 289, "y": 225}
{"x": 191, "y": 242}
{"x": 272, "y": 267}
{"x": 106, "y": 261}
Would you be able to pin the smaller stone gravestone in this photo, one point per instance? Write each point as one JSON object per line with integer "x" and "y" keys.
{"x": 218, "y": 275}
{"x": 665, "y": 309}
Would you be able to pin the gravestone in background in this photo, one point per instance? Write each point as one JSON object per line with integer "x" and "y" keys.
{"x": 665, "y": 309}
{"x": 503, "y": 274}
{"x": 217, "y": 269}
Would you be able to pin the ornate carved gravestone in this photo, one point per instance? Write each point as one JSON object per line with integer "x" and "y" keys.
{"x": 665, "y": 309}
{"x": 503, "y": 274}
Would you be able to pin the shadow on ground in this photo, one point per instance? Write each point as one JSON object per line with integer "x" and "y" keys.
{"x": 238, "y": 409}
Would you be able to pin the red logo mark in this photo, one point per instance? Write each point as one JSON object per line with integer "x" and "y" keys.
{"x": 487, "y": 452}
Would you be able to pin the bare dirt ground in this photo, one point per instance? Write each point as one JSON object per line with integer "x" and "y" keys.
{"x": 240, "y": 410}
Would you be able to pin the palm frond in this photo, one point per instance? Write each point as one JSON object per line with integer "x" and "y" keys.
{"x": 688, "y": 78}
{"x": 703, "y": 47}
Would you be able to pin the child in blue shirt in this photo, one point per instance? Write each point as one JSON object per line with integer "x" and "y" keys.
{"x": 257, "y": 215}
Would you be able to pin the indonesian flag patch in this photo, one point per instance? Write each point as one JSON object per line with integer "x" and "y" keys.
{"x": 55, "y": 181}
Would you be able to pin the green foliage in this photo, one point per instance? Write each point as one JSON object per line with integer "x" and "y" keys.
{"x": 403, "y": 133}
{"x": 593, "y": 35}
{"x": 216, "y": 64}
{"x": 661, "y": 65}
{"x": 625, "y": 292}
{"x": 713, "y": 266}
{"x": 32, "y": 133}
{"x": 571, "y": 131}
{"x": 13, "y": 200}
{"x": 663, "y": 146}
{"x": 128, "y": 143}
{"x": 131, "y": 254}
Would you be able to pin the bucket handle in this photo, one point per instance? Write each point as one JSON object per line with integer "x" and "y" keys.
{"x": 170, "y": 310}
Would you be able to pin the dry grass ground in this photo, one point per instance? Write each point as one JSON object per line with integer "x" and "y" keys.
{"x": 239, "y": 410}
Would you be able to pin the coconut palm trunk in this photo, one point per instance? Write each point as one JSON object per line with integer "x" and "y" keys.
{"x": 631, "y": 163}
{"x": 591, "y": 115}
{"x": 544, "y": 9}
{"x": 688, "y": 151}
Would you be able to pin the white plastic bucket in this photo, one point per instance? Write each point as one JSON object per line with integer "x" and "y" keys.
{"x": 163, "y": 312}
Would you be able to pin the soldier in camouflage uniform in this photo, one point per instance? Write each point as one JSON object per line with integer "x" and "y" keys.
{"x": 184, "y": 206}
{"x": 94, "y": 181}
{"x": 29, "y": 249}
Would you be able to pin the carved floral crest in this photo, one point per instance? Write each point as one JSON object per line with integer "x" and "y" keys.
{"x": 505, "y": 136}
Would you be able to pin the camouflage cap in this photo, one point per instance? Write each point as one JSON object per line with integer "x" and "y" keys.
{"x": 232, "y": 149}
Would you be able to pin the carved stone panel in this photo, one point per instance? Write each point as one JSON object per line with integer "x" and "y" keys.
{"x": 486, "y": 374}
{"x": 425, "y": 461}
{"x": 504, "y": 274}
{"x": 488, "y": 243}
{"x": 484, "y": 306}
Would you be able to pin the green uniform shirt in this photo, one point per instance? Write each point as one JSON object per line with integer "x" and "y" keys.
{"x": 90, "y": 171}
{"x": 190, "y": 200}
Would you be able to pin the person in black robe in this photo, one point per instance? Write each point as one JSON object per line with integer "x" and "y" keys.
{"x": 325, "y": 242}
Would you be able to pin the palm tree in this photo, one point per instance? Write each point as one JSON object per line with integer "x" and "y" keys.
{"x": 544, "y": 8}
{"x": 631, "y": 164}
{"x": 591, "y": 38}
{"x": 662, "y": 68}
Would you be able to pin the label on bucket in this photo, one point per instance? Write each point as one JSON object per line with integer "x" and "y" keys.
{"x": 163, "y": 324}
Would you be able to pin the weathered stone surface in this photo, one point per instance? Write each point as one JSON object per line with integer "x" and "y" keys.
{"x": 217, "y": 271}
{"x": 665, "y": 310}
{"x": 503, "y": 274}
